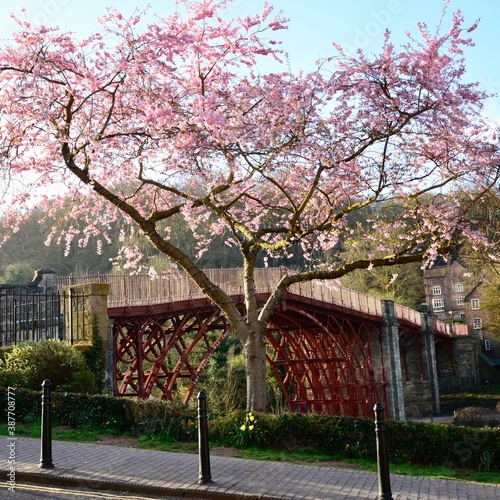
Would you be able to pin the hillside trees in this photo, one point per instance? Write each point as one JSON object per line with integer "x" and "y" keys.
{"x": 25, "y": 251}
{"x": 181, "y": 119}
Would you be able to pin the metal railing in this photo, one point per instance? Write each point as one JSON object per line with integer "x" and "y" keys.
{"x": 30, "y": 315}
{"x": 141, "y": 289}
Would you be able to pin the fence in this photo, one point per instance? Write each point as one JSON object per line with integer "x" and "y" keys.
{"x": 142, "y": 289}
{"x": 30, "y": 315}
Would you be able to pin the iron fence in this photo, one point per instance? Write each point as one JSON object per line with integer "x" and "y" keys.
{"x": 30, "y": 315}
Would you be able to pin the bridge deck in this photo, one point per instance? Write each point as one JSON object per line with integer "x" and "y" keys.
{"x": 137, "y": 292}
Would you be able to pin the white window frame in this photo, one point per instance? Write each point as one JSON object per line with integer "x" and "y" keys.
{"x": 459, "y": 287}
{"x": 474, "y": 304}
{"x": 477, "y": 323}
{"x": 436, "y": 290}
{"x": 438, "y": 305}
{"x": 460, "y": 301}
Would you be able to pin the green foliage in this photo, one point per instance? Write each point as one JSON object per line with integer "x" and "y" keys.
{"x": 95, "y": 358}
{"x": 28, "y": 365}
{"x": 225, "y": 377}
{"x": 18, "y": 272}
{"x": 348, "y": 437}
{"x": 246, "y": 432}
{"x": 486, "y": 460}
{"x": 109, "y": 413}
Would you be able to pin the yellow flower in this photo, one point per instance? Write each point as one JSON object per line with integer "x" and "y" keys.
{"x": 243, "y": 427}
{"x": 250, "y": 427}
{"x": 251, "y": 417}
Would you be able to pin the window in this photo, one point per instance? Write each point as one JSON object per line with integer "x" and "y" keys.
{"x": 474, "y": 304}
{"x": 460, "y": 301}
{"x": 436, "y": 290}
{"x": 438, "y": 304}
{"x": 477, "y": 323}
{"x": 462, "y": 316}
{"x": 459, "y": 287}
{"x": 487, "y": 345}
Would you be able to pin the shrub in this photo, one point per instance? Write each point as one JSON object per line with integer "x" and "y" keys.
{"x": 118, "y": 413}
{"x": 28, "y": 365}
{"x": 95, "y": 357}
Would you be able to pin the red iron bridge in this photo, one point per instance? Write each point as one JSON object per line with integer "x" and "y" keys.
{"x": 332, "y": 350}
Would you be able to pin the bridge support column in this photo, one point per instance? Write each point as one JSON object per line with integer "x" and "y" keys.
{"x": 430, "y": 363}
{"x": 466, "y": 352}
{"x": 392, "y": 362}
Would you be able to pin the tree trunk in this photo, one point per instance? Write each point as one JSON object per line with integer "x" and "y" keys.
{"x": 255, "y": 368}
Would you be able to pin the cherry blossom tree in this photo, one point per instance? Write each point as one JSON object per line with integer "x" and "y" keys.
{"x": 180, "y": 120}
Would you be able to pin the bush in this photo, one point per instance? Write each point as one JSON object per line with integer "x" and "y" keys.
{"x": 28, "y": 365}
{"x": 95, "y": 357}
{"x": 120, "y": 414}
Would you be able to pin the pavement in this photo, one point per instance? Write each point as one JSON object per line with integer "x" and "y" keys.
{"x": 146, "y": 472}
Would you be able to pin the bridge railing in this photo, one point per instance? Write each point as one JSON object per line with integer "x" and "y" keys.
{"x": 408, "y": 314}
{"x": 336, "y": 294}
{"x": 142, "y": 289}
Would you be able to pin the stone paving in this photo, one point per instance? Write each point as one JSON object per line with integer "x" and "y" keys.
{"x": 161, "y": 473}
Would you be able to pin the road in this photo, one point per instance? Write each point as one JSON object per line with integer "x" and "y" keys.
{"x": 27, "y": 491}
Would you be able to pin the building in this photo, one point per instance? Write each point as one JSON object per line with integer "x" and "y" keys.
{"x": 454, "y": 298}
{"x": 445, "y": 290}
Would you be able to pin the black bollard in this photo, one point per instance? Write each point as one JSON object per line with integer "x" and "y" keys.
{"x": 384, "y": 480}
{"x": 46, "y": 451}
{"x": 205, "y": 476}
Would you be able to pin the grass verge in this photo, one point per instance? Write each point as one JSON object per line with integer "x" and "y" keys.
{"x": 163, "y": 442}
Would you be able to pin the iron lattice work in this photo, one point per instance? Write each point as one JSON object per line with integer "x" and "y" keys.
{"x": 161, "y": 349}
{"x": 324, "y": 360}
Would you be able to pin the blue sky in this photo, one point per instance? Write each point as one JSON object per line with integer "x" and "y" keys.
{"x": 314, "y": 25}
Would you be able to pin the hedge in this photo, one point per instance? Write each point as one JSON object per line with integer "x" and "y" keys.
{"x": 120, "y": 414}
{"x": 408, "y": 442}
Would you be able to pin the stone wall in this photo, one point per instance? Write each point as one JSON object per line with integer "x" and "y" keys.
{"x": 85, "y": 306}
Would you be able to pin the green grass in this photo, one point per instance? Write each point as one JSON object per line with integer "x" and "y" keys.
{"x": 161, "y": 442}
{"x": 371, "y": 466}
{"x": 63, "y": 433}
